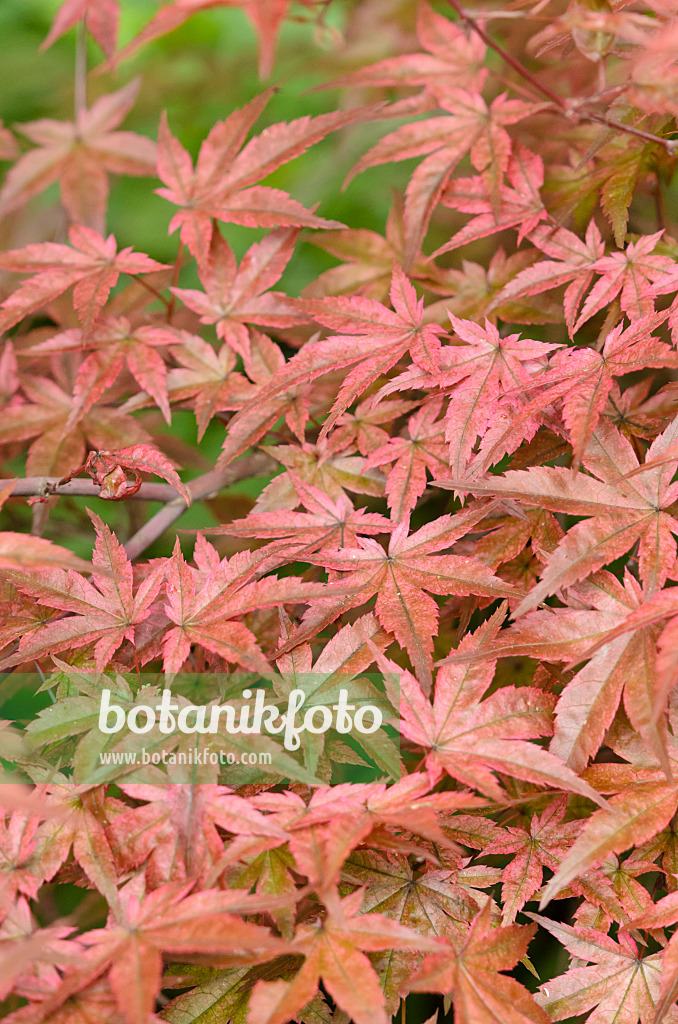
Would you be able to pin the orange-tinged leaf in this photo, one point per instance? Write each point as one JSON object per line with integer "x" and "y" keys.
{"x": 631, "y": 818}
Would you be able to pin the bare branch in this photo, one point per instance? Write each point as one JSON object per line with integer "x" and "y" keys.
{"x": 568, "y": 108}
{"x": 80, "y": 85}
{"x": 205, "y": 486}
{"x": 257, "y": 464}
{"x": 39, "y": 486}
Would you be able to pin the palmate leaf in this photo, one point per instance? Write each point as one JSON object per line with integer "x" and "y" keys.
{"x": 571, "y": 263}
{"x": 582, "y": 379}
{"x": 616, "y": 629}
{"x": 403, "y": 578}
{"x": 224, "y": 995}
{"x": 518, "y": 204}
{"x": 469, "y": 125}
{"x": 545, "y": 844}
{"x": 169, "y": 920}
{"x": 469, "y": 738}
{"x": 79, "y": 153}
{"x": 470, "y": 974}
{"x": 29, "y": 955}
{"x": 631, "y": 818}
{"x": 375, "y": 339}
{"x": 91, "y": 265}
{"x": 636, "y": 275}
{"x": 620, "y": 983}
{"x": 115, "y": 343}
{"x": 55, "y": 451}
{"x": 453, "y": 58}
{"x": 174, "y": 831}
{"x": 638, "y": 511}
{"x": 100, "y": 16}
{"x": 325, "y": 524}
{"x": 429, "y": 901}
{"x": 224, "y": 184}
{"x": 105, "y": 612}
{"x": 411, "y": 457}
{"x": 333, "y": 954}
{"x": 237, "y": 296}
{"x": 203, "y": 614}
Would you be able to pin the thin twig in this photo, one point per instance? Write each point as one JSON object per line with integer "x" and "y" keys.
{"x": 519, "y": 68}
{"x": 175, "y": 281}
{"x": 563, "y": 105}
{"x": 152, "y": 290}
{"x": 205, "y": 486}
{"x": 610, "y": 122}
{"x": 39, "y": 486}
{"x": 257, "y": 464}
{"x": 80, "y": 73}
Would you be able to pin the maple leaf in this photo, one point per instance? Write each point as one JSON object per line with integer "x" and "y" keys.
{"x": 224, "y": 992}
{"x": 235, "y": 296}
{"x": 572, "y": 261}
{"x": 631, "y": 818}
{"x": 77, "y": 822}
{"x": 28, "y": 954}
{"x": 430, "y": 901}
{"x": 55, "y": 451}
{"x": 326, "y": 524}
{"x": 172, "y": 921}
{"x": 485, "y": 366}
{"x": 517, "y": 204}
{"x": 363, "y": 428}
{"x": 175, "y": 829}
{"x": 204, "y": 379}
{"x": 78, "y": 153}
{"x": 350, "y": 816}
{"x": 319, "y": 466}
{"x": 411, "y": 457}
{"x": 583, "y": 378}
{"x": 469, "y": 738}
{"x": 91, "y": 265}
{"x": 470, "y": 973}
{"x": 17, "y": 844}
{"x": 620, "y": 983}
{"x": 635, "y": 275}
{"x": 468, "y": 125}
{"x": 332, "y": 954}
{"x": 588, "y": 545}
{"x": 653, "y": 610}
{"x": 100, "y": 16}
{"x": 375, "y": 339}
{"x": 116, "y": 344}
{"x": 545, "y": 844}
{"x": 263, "y": 360}
{"x": 201, "y": 614}
{"x": 95, "y": 999}
{"x": 224, "y": 182}
{"x": 104, "y": 612}
{"x": 401, "y": 577}
{"x": 453, "y": 58}
{"x": 623, "y": 662}
{"x": 662, "y": 914}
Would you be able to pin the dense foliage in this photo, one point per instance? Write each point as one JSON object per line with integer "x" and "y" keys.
{"x": 436, "y": 443}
